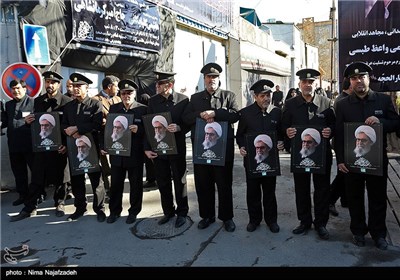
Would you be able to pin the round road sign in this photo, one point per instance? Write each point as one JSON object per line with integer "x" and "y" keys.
{"x": 22, "y": 71}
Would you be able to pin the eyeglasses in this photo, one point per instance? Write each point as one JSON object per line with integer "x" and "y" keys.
{"x": 308, "y": 142}
{"x": 210, "y": 134}
{"x": 362, "y": 140}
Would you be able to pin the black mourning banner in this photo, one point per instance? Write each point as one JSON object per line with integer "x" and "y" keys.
{"x": 126, "y": 24}
{"x": 46, "y": 132}
{"x": 210, "y": 143}
{"x": 308, "y": 150}
{"x": 363, "y": 148}
{"x": 82, "y": 155}
{"x": 262, "y": 155}
{"x": 117, "y": 136}
{"x": 371, "y": 33}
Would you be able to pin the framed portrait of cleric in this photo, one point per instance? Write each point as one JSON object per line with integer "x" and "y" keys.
{"x": 363, "y": 148}
{"x": 262, "y": 155}
{"x": 210, "y": 142}
{"x": 82, "y": 154}
{"x": 308, "y": 150}
{"x": 46, "y": 132}
{"x": 161, "y": 140}
{"x": 117, "y": 136}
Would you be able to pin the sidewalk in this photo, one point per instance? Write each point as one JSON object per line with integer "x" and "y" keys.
{"x": 55, "y": 242}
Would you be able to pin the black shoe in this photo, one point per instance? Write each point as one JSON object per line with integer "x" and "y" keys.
{"x": 21, "y": 215}
{"x": 165, "y": 219}
{"x": 332, "y": 210}
{"x": 19, "y": 201}
{"x": 251, "y": 227}
{"x": 76, "y": 215}
{"x": 301, "y": 229}
{"x": 180, "y": 221}
{"x": 381, "y": 243}
{"x": 274, "y": 228}
{"x": 149, "y": 185}
{"x": 60, "y": 211}
{"x": 359, "y": 240}
{"x": 204, "y": 223}
{"x": 131, "y": 219}
{"x": 112, "y": 218}
{"x": 101, "y": 217}
{"x": 229, "y": 226}
{"x": 323, "y": 233}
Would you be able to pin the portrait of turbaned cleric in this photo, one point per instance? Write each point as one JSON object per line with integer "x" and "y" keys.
{"x": 262, "y": 158}
{"x": 46, "y": 133}
{"x": 308, "y": 150}
{"x": 82, "y": 154}
{"x": 161, "y": 140}
{"x": 210, "y": 142}
{"x": 117, "y": 136}
{"x": 363, "y": 148}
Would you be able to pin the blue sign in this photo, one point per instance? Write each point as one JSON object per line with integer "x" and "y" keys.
{"x": 36, "y": 44}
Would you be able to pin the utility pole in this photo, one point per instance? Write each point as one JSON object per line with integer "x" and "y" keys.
{"x": 333, "y": 40}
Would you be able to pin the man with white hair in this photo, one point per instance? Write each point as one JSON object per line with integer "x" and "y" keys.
{"x": 160, "y": 125}
{"x": 310, "y": 109}
{"x": 310, "y": 138}
{"x": 256, "y": 119}
{"x": 47, "y": 123}
{"x": 120, "y": 126}
{"x": 365, "y": 138}
{"x": 368, "y": 107}
{"x": 213, "y": 132}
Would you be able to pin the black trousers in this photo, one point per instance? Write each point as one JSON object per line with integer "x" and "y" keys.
{"x": 205, "y": 178}
{"x": 170, "y": 169}
{"x": 150, "y": 172}
{"x": 302, "y": 185}
{"x": 79, "y": 191}
{"x": 135, "y": 176}
{"x": 48, "y": 169}
{"x": 377, "y": 203}
{"x": 19, "y": 165}
{"x": 261, "y": 194}
{"x": 338, "y": 189}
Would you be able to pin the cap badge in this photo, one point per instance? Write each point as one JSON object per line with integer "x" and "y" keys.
{"x": 265, "y": 87}
{"x": 356, "y": 71}
{"x": 308, "y": 75}
{"x": 51, "y": 76}
{"x": 212, "y": 69}
{"x": 75, "y": 79}
{"x": 126, "y": 86}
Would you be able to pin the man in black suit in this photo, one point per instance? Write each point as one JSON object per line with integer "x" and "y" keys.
{"x": 19, "y": 136}
{"x": 84, "y": 115}
{"x": 369, "y": 107}
{"x": 49, "y": 166}
{"x": 133, "y": 164}
{"x": 309, "y": 108}
{"x": 214, "y": 104}
{"x": 277, "y": 97}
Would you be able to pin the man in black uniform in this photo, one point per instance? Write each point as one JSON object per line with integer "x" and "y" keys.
{"x": 84, "y": 115}
{"x": 307, "y": 109}
{"x": 370, "y": 107}
{"x": 132, "y": 164}
{"x": 168, "y": 100}
{"x": 214, "y": 104}
{"x": 256, "y": 118}
{"x": 48, "y": 168}
{"x": 19, "y": 136}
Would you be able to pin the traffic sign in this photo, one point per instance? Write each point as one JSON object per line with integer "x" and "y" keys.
{"x": 36, "y": 44}
{"x": 22, "y": 71}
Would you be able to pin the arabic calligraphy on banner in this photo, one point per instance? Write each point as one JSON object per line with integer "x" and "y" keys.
{"x": 371, "y": 34}
{"x": 124, "y": 23}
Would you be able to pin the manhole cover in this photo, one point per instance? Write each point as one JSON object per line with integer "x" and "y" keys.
{"x": 148, "y": 228}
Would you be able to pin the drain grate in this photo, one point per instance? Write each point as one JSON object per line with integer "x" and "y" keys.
{"x": 148, "y": 228}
